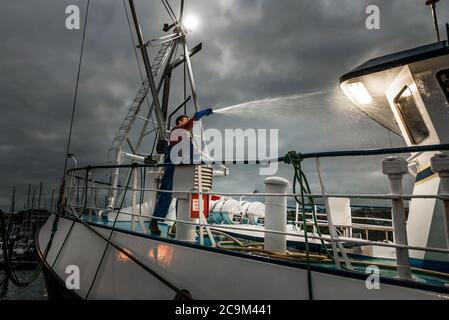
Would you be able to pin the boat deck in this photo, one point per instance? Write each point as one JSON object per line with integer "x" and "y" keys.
{"x": 386, "y": 267}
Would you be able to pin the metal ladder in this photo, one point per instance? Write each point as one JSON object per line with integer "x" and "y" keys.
{"x": 133, "y": 111}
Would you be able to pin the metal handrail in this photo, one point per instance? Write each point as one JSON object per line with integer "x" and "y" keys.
{"x": 323, "y": 195}
{"x": 263, "y": 194}
{"x": 325, "y": 154}
{"x": 346, "y": 240}
{"x": 372, "y": 152}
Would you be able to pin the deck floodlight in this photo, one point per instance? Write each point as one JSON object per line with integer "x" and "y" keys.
{"x": 358, "y": 92}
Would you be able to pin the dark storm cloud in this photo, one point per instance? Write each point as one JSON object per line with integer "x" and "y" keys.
{"x": 252, "y": 49}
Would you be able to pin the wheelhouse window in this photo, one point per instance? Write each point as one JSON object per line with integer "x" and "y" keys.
{"x": 413, "y": 120}
{"x": 443, "y": 78}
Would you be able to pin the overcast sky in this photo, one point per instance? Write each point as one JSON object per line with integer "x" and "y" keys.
{"x": 252, "y": 50}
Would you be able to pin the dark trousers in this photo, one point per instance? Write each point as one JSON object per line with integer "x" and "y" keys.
{"x": 163, "y": 199}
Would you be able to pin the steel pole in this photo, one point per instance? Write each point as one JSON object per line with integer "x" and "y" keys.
{"x": 440, "y": 165}
{"x": 191, "y": 78}
{"x": 148, "y": 69}
{"x": 395, "y": 168}
{"x": 435, "y": 21}
{"x": 52, "y": 197}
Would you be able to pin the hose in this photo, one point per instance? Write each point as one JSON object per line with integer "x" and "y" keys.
{"x": 295, "y": 160}
{"x": 258, "y": 248}
{"x": 390, "y": 266}
{"x": 253, "y": 248}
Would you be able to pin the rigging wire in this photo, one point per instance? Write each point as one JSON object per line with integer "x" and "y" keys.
{"x": 76, "y": 87}
{"x": 61, "y": 191}
{"x": 112, "y": 231}
{"x": 180, "y": 293}
{"x": 75, "y": 98}
{"x": 181, "y": 16}
{"x": 132, "y": 40}
{"x": 170, "y": 11}
{"x": 185, "y": 87}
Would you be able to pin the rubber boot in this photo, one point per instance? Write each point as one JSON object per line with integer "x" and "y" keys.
{"x": 154, "y": 228}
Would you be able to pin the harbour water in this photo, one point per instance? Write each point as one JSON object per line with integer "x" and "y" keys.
{"x": 35, "y": 291}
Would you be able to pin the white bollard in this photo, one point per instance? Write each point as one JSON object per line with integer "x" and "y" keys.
{"x": 185, "y": 232}
{"x": 440, "y": 164}
{"x": 184, "y": 180}
{"x": 395, "y": 168}
{"x": 276, "y": 214}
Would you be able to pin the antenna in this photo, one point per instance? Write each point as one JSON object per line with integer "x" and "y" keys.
{"x": 432, "y": 4}
{"x": 28, "y": 197}
{"x": 13, "y": 200}
{"x": 40, "y": 195}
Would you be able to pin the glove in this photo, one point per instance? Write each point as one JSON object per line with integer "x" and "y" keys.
{"x": 202, "y": 113}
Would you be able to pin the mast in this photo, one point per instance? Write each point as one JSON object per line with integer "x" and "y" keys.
{"x": 146, "y": 60}
{"x": 40, "y": 195}
{"x": 28, "y": 197}
{"x": 13, "y": 200}
{"x": 190, "y": 73}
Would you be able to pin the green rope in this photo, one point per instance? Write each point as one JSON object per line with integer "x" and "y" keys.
{"x": 295, "y": 159}
{"x": 304, "y": 218}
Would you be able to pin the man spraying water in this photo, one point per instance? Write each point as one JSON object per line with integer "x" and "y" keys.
{"x": 183, "y": 124}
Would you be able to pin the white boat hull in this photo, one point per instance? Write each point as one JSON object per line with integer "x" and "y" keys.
{"x": 207, "y": 273}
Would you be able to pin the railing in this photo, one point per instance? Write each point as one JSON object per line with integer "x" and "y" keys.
{"x": 359, "y": 225}
{"x": 85, "y": 194}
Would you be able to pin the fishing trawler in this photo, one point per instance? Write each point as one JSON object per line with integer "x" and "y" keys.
{"x": 252, "y": 249}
